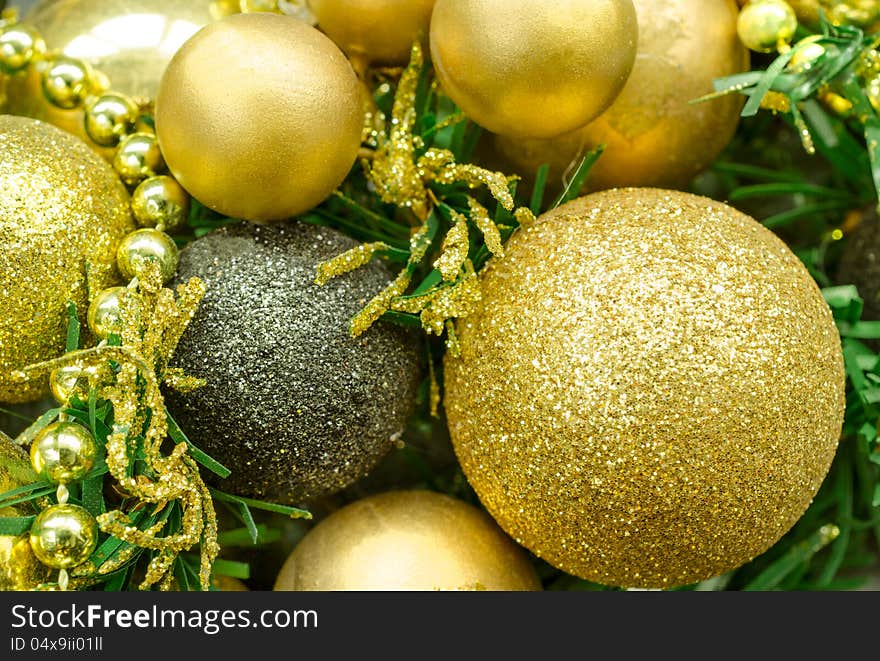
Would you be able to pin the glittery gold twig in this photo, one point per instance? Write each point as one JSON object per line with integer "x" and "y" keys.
{"x": 152, "y": 323}
{"x": 402, "y": 178}
{"x": 487, "y": 226}
{"x": 456, "y": 246}
{"x": 348, "y": 261}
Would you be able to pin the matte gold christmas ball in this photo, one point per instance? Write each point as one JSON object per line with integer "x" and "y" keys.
{"x": 407, "y": 540}
{"x": 379, "y": 31}
{"x": 129, "y": 41}
{"x": 653, "y": 135}
{"x": 533, "y": 69}
{"x": 271, "y": 132}
{"x": 19, "y": 568}
{"x": 651, "y": 391}
{"x": 61, "y": 207}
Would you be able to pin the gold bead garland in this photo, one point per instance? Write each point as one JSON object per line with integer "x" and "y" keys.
{"x": 138, "y": 327}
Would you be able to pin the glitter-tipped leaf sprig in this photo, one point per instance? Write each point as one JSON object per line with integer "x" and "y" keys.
{"x": 417, "y": 165}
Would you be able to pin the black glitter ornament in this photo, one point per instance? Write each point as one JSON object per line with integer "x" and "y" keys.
{"x": 293, "y": 405}
{"x": 860, "y": 265}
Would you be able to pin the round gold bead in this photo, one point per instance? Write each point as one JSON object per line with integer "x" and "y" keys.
{"x": 160, "y": 202}
{"x": 766, "y": 25}
{"x": 66, "y": 82}
{"x": 147, "y": 245}
{"x": 71, "y": 380}
{"x": 109, "y": 118}
{"x": 137, "y": 158}
{"x": 63, "y": 452}
{"x": 64, "y": 536}
{"x": 19, "y": 45}
{"x": 105, "y": 313}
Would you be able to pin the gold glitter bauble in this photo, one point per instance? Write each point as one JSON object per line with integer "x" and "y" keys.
{"x": 64, "y": 536}
{"x": 129, "y": 41}
{"x": 653, "y": 135}
{"x": 19, "y": 568}
{"x": 379, "y": 31}
{"x": 61, "y": 207}
{"x": 271, "y": 132}
{"x": 651, "y": 390}
{"x": 533, "y": 69}
{"x": 407, "y": 540}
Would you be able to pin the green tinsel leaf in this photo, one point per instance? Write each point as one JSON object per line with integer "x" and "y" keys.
{"x": 15, "y": 525}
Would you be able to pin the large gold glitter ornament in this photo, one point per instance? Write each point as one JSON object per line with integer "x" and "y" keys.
{"x": 651, "y": 390}
{"x": 61, "y": 208}
{"x": 129, "y": 41}
{"x": 19, "y": 568}
{"x": 533, "y": 69}
{"x": 653, "y": 135}
{"x": 407, "y": 540}
{"x": 273, "y": 131}
{"x": 377, "y": 31}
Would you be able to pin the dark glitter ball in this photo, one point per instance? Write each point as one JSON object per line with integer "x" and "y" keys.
{"x": 860, "y": 265}
{"x": 294, "y": 405}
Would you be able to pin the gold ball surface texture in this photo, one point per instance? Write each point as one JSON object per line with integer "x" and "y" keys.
{"x": 765, "y": 25}
{"x": 653, "y": 135}
{"x": 160, "y": 202}
{"x": 63, "y": 452}
{"x": 651, "y": 391}
{"x": 380, "y": 31}
{"x": 407, "y": 540}
{"x": 105, "y": 313}
{"x": 533, "y": 69}
{"x": 61, "y": 207}
{"x": 147, "y": 245}
{"x": 138, "y": 157}
{"x": 110, "y": 117}
{"x": 271, "y": 133}
{"x": 64, "y": 536}
{"x": 19, "y": 568}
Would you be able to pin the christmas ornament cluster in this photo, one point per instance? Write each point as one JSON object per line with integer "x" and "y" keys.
{"x": 647, "y": 389}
